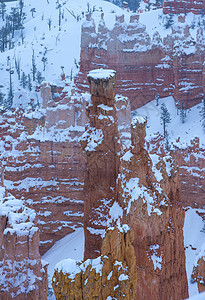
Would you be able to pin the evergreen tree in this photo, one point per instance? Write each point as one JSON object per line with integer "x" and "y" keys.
{"x": 39, "y": 77}
{"x": 2, "y": 99}
{"x": 21, "y": 5}
{"x": 44, "y": 59}
{"x": 34, "y": 68}
{"x": 165, "y": 118}
{"x": 23, "y": 81}
{"x": 182, "y": 112}
{"x": 33, "y": 10}
{"x": 157, "y": 98}
{"x": 202, "y": 113}
{"x": 49, "y": 24}
{"x": 29, "y": 83}
{"x": 2, "y": 10}
{"x": 169, "y": 20}
{"x": 17, "y": 66}
{"x": 193, "y": 23}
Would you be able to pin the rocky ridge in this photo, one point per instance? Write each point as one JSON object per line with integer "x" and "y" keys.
{"x": 145, "y": 65}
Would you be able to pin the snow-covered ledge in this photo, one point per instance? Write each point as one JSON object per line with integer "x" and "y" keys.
{"x": 102, "y": 83}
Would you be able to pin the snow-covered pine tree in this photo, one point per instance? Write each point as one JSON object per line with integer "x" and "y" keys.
{"x": 2, "y": 98}
{"x": 182, "y": 112}
{"x": 202, "y": 113}
{"x": 34, "y": 68}
{"x": 21, "y": 5}
{"x": 39, "y": 77}
{"x": 18, "y": 67}
{"x": 29, "y": 83}
{"x": 49, "y": 24}
{"x": 157, "y": 99}
{"x": 44, "y": 59}
{"x": 32, "y": 10}
{"x": 165, "y": 118}
{"x": 169, "y": 20}
{"x": 23, "y": 81}
{"x": 2, "y": 10}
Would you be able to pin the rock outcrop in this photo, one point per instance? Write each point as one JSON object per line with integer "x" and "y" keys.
{"x": 198, "y": 273}
{"x": 100, "y": 143}
{"x": 145, "y": 194}
{"x": 179, "y": 7}
{"x": 145, "y": 65}
{"x": 149, "y": 192}
{"x": 42, "y": 161}
{"x": 110, "y": 276}
{"x": 22, "y": 275}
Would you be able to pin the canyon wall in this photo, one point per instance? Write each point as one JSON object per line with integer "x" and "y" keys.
{"x": 42, "y": 161}
{"x": 145, "y": 65}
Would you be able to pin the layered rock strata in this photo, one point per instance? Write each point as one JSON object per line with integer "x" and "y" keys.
{"x": 184, "y": 7}
{"x": 22, "y": 275}
{"x": 42, "y": 161}
{"x": 145, "y": 65}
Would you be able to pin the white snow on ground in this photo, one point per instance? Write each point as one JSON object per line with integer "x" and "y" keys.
{"x": 63, "y": 46}
{"x": 186, "y": 131}
{"x": 71, "y": 246}
{"x": 193, "y": 241}
{"x": 200, "y": 296}
{"x": 154, "y": 21}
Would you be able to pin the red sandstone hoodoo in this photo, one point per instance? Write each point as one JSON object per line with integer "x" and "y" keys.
{"x": 140, "y": 190}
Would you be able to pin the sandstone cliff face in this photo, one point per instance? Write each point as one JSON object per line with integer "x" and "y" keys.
{"x": 178, "y": 7}
{"x": 110, "y": 276}
{"x": 43, "y": 161}
{"x": 192, "y": 173}
{"x": 145, "y": 66}
{"x": 149, "y": 192}
{"x": 198, "y": 274}
{"x": 22, "y": 275}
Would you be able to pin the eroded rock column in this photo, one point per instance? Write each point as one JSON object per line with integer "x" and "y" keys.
{"x": 100, "y": 142}
{"x": 149, "y": 192}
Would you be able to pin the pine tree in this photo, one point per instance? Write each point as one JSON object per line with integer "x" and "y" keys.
{"x": 21, "y": 5}
{"x": 165, "y": 118}
{"x": 17, "y": 66}
{"x": 34, "y": 68}
{"x": 169, "y": 20}
{"x": 2, "y": 98}
{"x": 182, "y": 113}
{"x": 29, "y": 83}
{"x": 49, "y": 24}
{"x": 157, "y": 99}
{"x": 44, "y": 59}
{"x": 39, "y": 77}
{"x": 202, "y": 113}
{"x": 2, "y": 10}
{"x": 23, "y": 81}
{"x": 33, "y": 10}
